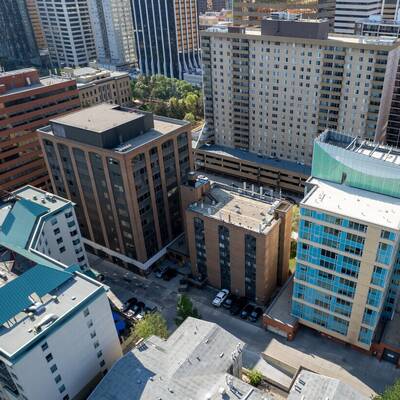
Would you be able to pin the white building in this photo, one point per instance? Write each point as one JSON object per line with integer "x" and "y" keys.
{"x": 347, "y": 12}
{"x": 68, "y": 31}
{"x": 57, "y": 334}
{"x": 43, "y": 224}
{"x": 113, "y": 32}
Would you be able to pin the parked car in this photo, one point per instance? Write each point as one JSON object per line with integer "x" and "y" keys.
{"x": 161, "y": 271}
{"x": 238, "y": 306}
{"x": 169, "y": 274}
{"x": 129, "y": 303}
{"x": 256, "y": 314}
{"x": 220, "y": 297}
{"x": 139, "y": 306}
{"x": 229, "y": 302}
{"x": 246, "y": 312}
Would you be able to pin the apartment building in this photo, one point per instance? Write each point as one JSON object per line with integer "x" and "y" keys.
{"x": 68, "y": 32}
{"x": 271, "y": 91}
{"x": 390, "y": 9}
{"x": 26, "y": 103}
{"x": 113, "y": 32}
{"x": 209, "y": 358}
{"x": 97, "y": 85}
{"x": 57, "y": 334}
{"x": 42, "y": 224}
{"x": 347, "y": 12}
{"x": 375, "y": 27}
{"x": 123, "y": 169}
{"x": 167, "y": 38}
{"x": 18, "y": 47}
{"x": 348, "y": 261}
{"x": 237, "y": 239}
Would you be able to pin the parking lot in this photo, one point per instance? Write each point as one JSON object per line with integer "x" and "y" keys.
{"x": 344, "y": 360}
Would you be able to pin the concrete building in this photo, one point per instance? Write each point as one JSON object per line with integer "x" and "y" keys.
{"x": 96, "y": 85}
{"x": 348, "y": 262}
{"x": 113, "y": 32}
{"x": 123, "y": 169}
{"x": 390, "y": 9}
{"x": 237, "y": 239}
{"x": 375, "y": 27}
{"x": 272, "y": 91}
{"x": 326, "y": 10}
{"x": 18, "y": 47}
{"x": 347, "y": 12}
{"x": 198, "y": 361}
{"x": 210, "y": 5}
{"x": 57, "y": 334}
{"x": 26, "y": 103}
{"x": 42, "y": 224}
{"x": 167, "y": 38}
{"x": 68, "y": 31}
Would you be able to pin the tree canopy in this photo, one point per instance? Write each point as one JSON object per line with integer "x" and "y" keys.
{"x": 169, "y": 97}
{"x": 184, "y": 309}
{"x": 391, "y": 393}
{"x": 151, "y": 324}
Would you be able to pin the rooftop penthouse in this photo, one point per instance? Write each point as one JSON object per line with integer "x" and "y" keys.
{"x": 112, "y": 127}
{"x": 358, "y": 163}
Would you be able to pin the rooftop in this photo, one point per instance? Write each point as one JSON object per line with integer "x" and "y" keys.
{"x": 191, "y": 364}
{"x": 248, "y": 156}
{"x": 98, "y": 118}
{"x": 59, "y": 292}
{"x": 359, "y": 204}
{"x": 240, "y": 207}
{"x": 309, "y": 385}
{"x": 21, "y": 212}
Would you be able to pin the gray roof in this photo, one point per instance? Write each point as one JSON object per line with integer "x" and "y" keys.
{"x": 311, "y": 386}
{"x": 191, "y": 364}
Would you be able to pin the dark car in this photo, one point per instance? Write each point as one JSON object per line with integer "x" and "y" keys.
{"x": 169, "y": 274}
{"x": 229, "y": 301}
{"x": 246, "y": 312}
{"x": 129, "y": 303}
{"x": 138, "y": 307}
{"x": 256, "y": 314}
{"x": 238, "y": 306}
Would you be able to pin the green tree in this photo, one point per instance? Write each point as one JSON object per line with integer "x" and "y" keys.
{"x": 255, "y": 377}
{"x": 189, "y": 117}
{"x": 152, "y": 324}
{"x": 184, "y": 309}
{"x": 191, "y": 103}
{"x": 391, "y": 393}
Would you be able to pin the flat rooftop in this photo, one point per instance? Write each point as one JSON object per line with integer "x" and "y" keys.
{"x": 70, "y": 290}
{"x": 357, "y": 145}
{"x": 192, "y": 363}
{"x": 346, "y": 39}
{"x": 359, "y": 204}
{"x": 38, "y": 196}
{"x": 243, "y": 155}
{"x": 238, "y": 207}
{"x": 309, "y": 385}
{"x": 98, "y": 118}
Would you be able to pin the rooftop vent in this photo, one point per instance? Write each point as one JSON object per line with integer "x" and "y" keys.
{"x": 47, "y": 320}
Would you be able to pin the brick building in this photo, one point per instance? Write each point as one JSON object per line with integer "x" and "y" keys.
{"x": 26, "y": 103}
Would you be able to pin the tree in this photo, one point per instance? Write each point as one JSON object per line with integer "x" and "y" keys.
{"x": 152, "y": 324}
{"x": 391, "y": 393}
{"x": 255, "y": 377}
{"x": 191, "y": 102}
{"x": 185, "y": 309}
{"x": 189, "y": 117}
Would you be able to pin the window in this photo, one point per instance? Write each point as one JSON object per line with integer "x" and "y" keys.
{"x": 62, "y": 249}
{"x": 57, "y": 378}
{"x": 93, "y": 334}
{"x": 53, "y": 368}
{"x": 49, "y": 357}
{"x": 44, "y": 346}
{"x": 59, "y": 240}
{"x": 102, "y": 363}
{"x": 99, "y": 354}
{"x": 90, "y": 323}
{"x": 66, "y": 397}
{"x": 96, "y": 344}
{"x": 53, "y": 221}
{"x": 61, "y": 389}
{"x": 56, "y": 231}
{"x": 86, "y": 312}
